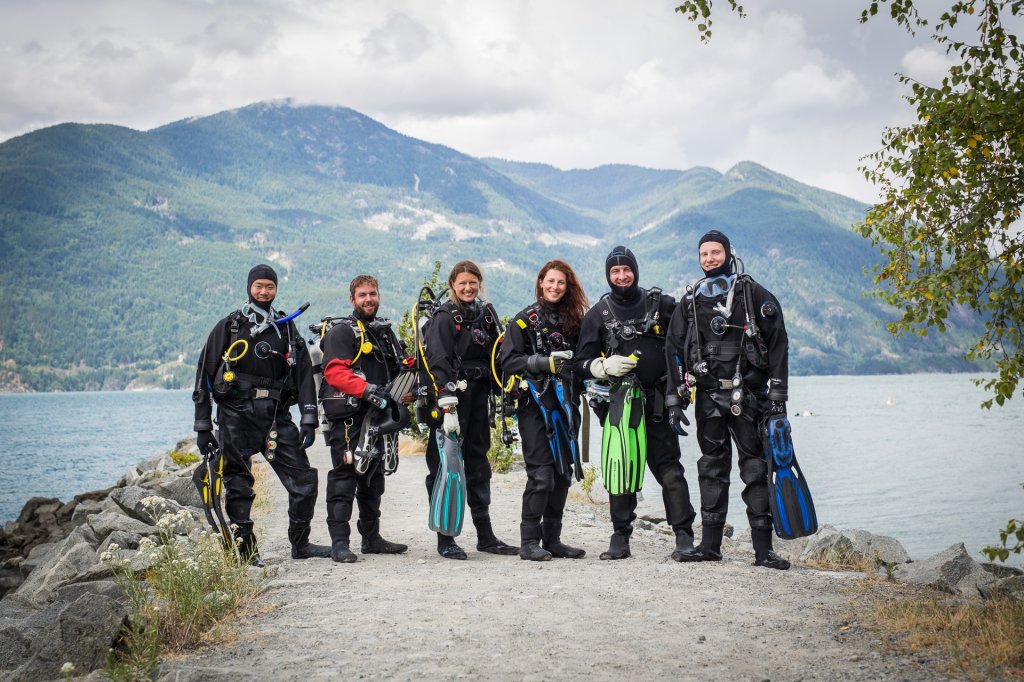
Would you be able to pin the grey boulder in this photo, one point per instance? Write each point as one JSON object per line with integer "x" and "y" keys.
{"x": 951, "y": 570}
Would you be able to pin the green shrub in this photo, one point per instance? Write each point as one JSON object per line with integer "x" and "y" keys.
{"x": 183, "y": 458}
{"x": 502, "y": 457}
{"x": 589, "y": 478}
{"x": 191, "y": 584}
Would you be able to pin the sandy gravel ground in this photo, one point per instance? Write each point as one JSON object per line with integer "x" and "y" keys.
{"x": 418, "y": 616}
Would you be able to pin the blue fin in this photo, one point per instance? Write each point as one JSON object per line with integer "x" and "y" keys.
{"x": 793, "y": 512}
{"x": 558, "y": 420}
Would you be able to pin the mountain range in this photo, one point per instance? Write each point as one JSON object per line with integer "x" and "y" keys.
{"x": 121, "y": 248}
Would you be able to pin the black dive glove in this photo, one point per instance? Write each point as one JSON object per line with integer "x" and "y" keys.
{"x": 308, "y": 433}
{"x": 206, "y": 442}
{"x": 676, "y": 416}
{"x": 677, "y": 419}
{"x": 376, "y": 396}
{"x": 555, "y": 363}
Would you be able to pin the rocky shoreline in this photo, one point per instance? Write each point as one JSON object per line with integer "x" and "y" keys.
{"x": 61, "y": 604}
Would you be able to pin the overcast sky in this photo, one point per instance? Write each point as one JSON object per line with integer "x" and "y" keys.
{"x": 799, "y": 86}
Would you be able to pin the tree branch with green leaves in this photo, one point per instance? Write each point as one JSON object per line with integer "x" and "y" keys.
{"x": 951, "y": 185}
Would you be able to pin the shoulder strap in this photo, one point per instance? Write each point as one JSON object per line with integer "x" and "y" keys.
{"x": 491, "y": 318}
{"x": 747, "y": 282}
{"x": 611, "y": 323}
{"x": 235, "y": 327}
{"x": 652, "y": 312}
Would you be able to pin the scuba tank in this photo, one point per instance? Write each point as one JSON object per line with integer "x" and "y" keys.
{"x": 425, "y": 394}
{"x": 316, "y": 358}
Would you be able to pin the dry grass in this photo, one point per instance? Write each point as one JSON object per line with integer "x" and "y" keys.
{"x": 980, "y": 639}
{"x": 859, "y": 563}
{"x": 264, "y": 478}
{"x": 411, "y": 447}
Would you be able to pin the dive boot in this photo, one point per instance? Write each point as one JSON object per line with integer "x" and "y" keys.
{"x": 709, "y": 554}
{"x": 710, "y": 546}
{"x": 487, "y": 541}
{"x": 685, "y": 552}
{"x": 531, "y": 550}
{"x": 772, "y": 560}
{"x": 378, "y": 545}
{"x": 618, "y": 548}
{"x": 496, "y": 546}
{"x": 311, "y": 551}
{"x": 248, "y": 550}
{"x": 552, "y": 534}
{"x": 447, "y": 548}
{"x": 342, "y": 554}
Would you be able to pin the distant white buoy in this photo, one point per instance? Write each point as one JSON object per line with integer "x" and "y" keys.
{"x": 890, "y": 402}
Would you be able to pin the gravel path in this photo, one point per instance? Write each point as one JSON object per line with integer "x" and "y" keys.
{"x": 417, "y": 616}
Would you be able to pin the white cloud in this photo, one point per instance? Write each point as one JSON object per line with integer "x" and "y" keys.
{"x": 244, "y": 35}
{"x": 577, "y": 83}
{"x": 926, "y": 65}
{"x": 401, "y": 40}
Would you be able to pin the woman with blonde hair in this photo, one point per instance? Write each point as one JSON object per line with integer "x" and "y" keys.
{"x": 459, "y": 340}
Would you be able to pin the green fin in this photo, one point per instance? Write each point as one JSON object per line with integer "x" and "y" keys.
{"x": 624, "y": 440}
{"x": 448, "y": 499}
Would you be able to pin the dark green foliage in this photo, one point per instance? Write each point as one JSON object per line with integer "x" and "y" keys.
{"x": 121, "y": 249}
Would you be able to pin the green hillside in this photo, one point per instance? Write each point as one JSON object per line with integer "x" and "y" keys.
{"x": 120, "y": 249}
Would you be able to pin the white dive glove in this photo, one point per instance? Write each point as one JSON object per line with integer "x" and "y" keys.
{"x": 612, "y": 366}
{"x": 449, "y": 403}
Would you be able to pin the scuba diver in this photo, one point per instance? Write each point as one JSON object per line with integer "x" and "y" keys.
{"x": 622, "y": 346}
{"x": 255, "y": 366}
{"x": 729, "y": 334}
{"x": 361, "y": 358}
{"x": 537, "y": 355}
{"x": 459, "y": 338}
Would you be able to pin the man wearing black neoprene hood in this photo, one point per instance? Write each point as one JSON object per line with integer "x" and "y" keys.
{"x": 626, "y": 322}
{"x": 729, "y": 334}
{"x": 255, "y": 369}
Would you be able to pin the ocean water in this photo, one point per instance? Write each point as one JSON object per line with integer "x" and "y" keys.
{"x": 912, "y": 456}
{"x": 61, "y": 444}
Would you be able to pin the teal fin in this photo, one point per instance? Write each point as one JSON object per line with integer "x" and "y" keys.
{"x": 448, "y": 499}
{"x": 624, "y": 440}
{"x": 793, "y": 512}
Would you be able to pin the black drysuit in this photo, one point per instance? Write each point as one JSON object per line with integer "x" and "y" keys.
{"x": 344, "y": 353}
{"x": 663, "y": 454}
{"x": 538, "y": 330}
{"x": 458, "y": 341}
{"x": 714, "y": 350}
{"x": 265, "y": 387}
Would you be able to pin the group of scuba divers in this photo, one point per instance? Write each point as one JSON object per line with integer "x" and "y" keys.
{"x": 637, "y": 356}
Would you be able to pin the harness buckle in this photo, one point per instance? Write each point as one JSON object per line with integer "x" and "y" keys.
{"x": 261, "y": 393}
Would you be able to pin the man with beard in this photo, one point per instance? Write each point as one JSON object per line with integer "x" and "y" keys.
{"x": 361, "y": 356}
{"x": 622, "y": 342}
{"x": 256, "y": 369}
